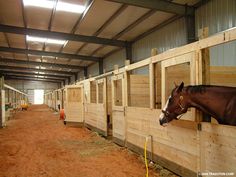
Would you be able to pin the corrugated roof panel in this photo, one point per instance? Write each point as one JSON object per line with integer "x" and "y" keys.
{"x": 35, "y": 45}
{"x": 130, "y": 14}
{"x": 37, "y": 17}
{"x": 34, "y": 58}
{"x": 52, "y": 47}
{"x": 6, "y": 55}
{"x": 72, "y": 47}
{"x": 11, "y": 12}
{"x": 20, "y": 56}
{"x": 105, "y": 50}
{"x": 98, "y": 14}
{"x": 147, "y": 24}
{"x": 3, "y": 41}
{"x": 88, "y": 49}
{"x": 16, "y": 40}
{"x": 64, "y": 21}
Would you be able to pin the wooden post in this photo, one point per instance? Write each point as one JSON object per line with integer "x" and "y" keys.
{"x": 127, "y": 84}
{"x": 152, "y": 81}
{"x": 2, "y": 103}
{"x": 204, "y": 60}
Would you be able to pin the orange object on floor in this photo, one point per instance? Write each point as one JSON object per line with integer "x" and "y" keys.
{"x": 62, "y": 114}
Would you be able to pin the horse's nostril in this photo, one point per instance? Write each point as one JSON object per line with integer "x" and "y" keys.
{"x": 160, "y": 122}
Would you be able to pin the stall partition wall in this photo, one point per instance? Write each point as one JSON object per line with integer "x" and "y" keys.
{"x": 74, "y": 104}
{"x": 95, "y": 105}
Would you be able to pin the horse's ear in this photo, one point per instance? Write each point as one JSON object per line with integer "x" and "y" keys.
{"x": 175, "y": 85}
{"x": 180, "y": 88}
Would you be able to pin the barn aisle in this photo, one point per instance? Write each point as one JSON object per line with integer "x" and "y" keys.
{"x": 35, "y": 143}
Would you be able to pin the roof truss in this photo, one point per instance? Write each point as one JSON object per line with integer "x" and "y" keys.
{"x": 44, "y": 53}
{"x": 61, "y": 36}
{"x": 160, "y": 5}
{"x": 36, "y": 63}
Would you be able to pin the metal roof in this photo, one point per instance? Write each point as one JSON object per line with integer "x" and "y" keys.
{"x": 104, "y": 27}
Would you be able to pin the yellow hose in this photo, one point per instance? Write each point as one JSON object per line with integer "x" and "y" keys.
{"x": 145, "y": 156}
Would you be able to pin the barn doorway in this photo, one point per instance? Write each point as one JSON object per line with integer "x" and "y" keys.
{"x": 38, "y": 96}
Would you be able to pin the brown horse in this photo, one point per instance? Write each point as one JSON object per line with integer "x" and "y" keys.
{"x": 216, "y": 101}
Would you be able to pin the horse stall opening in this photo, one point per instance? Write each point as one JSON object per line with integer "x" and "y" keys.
{"x": 95, "y": 104}
{"x": 74, "y": 104}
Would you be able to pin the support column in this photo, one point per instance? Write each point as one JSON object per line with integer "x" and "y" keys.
{"x": 76, "y": 77}
{"x": 86, "y": 73}
{"x": 190, "y": 28}
{"x": 2, "y": 103}
{"x": 128, "y": 50}
{"x": 100, "y": 66}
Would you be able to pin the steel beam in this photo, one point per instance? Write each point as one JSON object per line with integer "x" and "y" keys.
{"x": 36, "y": 63}
{"x": 60, "y": 35}
{"x": 160, "y": 5}
{"x": 29, "y": 79}
{"x": 36, "y": 70}
{"x": 34, "y": 77}
{"x": 32, "y": 74}
{"x": 46, "y": 53}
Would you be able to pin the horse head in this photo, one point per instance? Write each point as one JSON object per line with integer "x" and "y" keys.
{"x": 175, "y": 106}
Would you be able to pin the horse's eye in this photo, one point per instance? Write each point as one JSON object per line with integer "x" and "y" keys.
{"x": 170, "y": 100}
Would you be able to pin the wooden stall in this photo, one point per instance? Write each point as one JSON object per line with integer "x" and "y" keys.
{"x": 187, "y": 146}
{"x": 96, "y": 105}
{"x": 13, "y": 100}
{"x": 58, "y": 99}
{"x": 74, "y": 110}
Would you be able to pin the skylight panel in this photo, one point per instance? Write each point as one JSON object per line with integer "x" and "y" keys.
{"x": 61, "y": 6}
{"x": 46, "y": 40}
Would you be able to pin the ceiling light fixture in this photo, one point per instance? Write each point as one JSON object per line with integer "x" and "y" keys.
{"x": 61, "y": 6}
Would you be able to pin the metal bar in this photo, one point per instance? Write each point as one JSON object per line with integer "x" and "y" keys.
{"x": 22, "y": 78}
{"x": 15, "y": 75}
{"x": 36, "y": 63}
{"x": 160, "y": 5}
{"x": 101, "y": 67}
{"x": 36, "y": 70}
{"x": 44, "y": 53}
{"x": 33, "y": 74}
{"x": 61, "y": 36}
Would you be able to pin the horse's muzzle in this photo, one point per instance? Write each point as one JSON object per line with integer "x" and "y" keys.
{"x": 163, "y": 121}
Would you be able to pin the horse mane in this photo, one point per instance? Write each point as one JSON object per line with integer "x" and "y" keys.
{"x": 197, "y": 88}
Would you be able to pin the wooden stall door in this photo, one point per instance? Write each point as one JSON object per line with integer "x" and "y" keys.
{"x": 176, "y": 70}
{"x": 118, "y": 109}
{"x": 74, "y": 104}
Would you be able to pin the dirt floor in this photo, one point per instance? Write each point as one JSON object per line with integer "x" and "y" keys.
{"x": 37, "y": 144}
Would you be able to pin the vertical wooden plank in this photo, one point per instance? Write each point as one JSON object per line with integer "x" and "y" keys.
{"x": 205, "y": 59}
{"x": 163, "y": 85}
{"x": 151, "y": 80}
{"x": 97, "y": 93}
